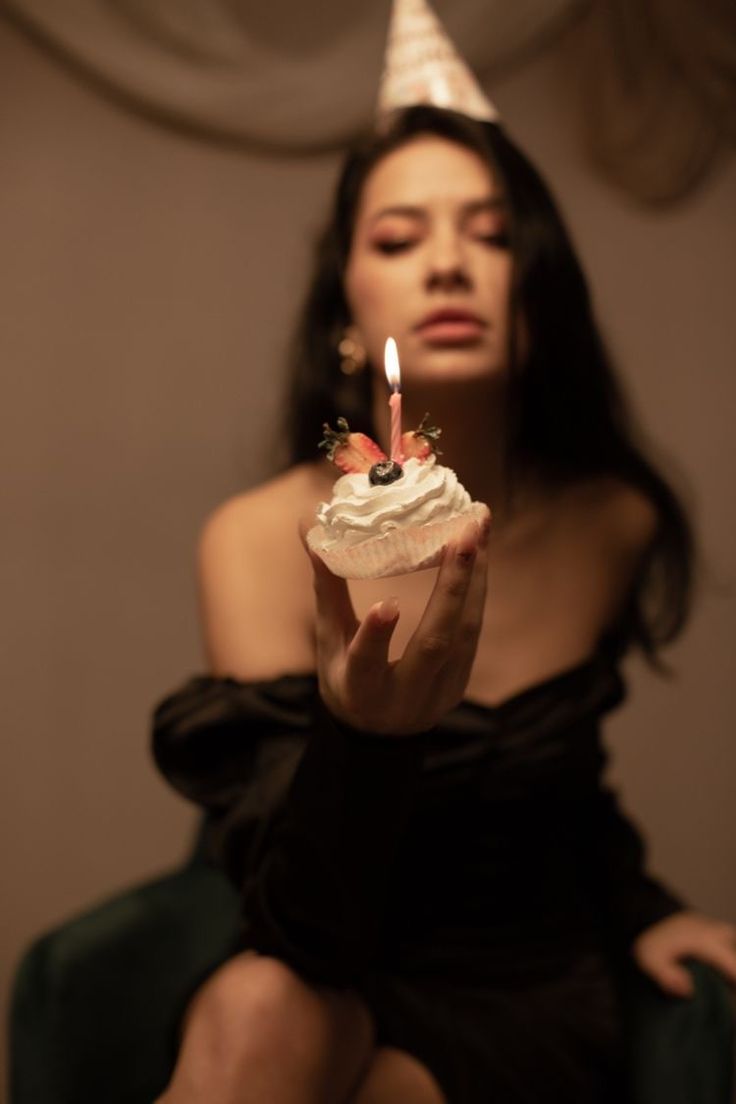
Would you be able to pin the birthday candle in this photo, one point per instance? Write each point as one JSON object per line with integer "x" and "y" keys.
{"x": 393, "y": 375}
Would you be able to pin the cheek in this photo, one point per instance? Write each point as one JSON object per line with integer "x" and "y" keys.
{"x": 498, "y": 276}
{"x": 360, "y": 288}
{"x": 370, "y": 296}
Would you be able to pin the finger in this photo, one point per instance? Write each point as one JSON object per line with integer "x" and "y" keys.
{"x": 474, "y": 607}
{"x": 433, "y": 639}
{"x": 673, "y": 978}
{"x": 471, "y": 624}
{"x": 368, "y": 652}
{"x": 336, "y": 620}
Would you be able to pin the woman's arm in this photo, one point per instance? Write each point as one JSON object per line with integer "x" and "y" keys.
{"x": 250, "y": 574}
{"x": 314, "y": 886}
{"x": 613, "y": 863}
{"x": 316, "y": 895}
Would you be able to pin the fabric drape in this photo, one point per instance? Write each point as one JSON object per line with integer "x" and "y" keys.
{"x": 657, "y": 91}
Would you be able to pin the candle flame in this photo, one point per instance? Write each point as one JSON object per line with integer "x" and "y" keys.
{"x": 391, "y": 364}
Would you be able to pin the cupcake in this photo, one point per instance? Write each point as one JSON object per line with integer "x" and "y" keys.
{"x": 387, "y": 517}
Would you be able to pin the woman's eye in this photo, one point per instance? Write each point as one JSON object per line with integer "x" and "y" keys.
{"x": 395, "y": 246}
{"x": 498, "y": 241}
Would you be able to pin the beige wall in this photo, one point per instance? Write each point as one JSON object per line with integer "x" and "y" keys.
{"x": 147, "y": 284}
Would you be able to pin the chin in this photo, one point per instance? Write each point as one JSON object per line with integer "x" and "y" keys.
{"x": 451, "y": 365}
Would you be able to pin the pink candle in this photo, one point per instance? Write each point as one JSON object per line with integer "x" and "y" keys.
{"x": 395, "y": 403}
{"x": 393, "y": 375}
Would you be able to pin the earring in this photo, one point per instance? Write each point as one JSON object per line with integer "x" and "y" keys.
{"x": 353, "y": 356}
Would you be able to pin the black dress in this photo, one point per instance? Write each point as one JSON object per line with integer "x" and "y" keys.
{"x": 477, "y": 884}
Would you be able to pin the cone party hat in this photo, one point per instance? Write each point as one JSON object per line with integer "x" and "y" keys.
{"x": 423, "y": 67}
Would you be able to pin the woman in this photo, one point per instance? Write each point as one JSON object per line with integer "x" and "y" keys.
{"x": 440, "y": 907}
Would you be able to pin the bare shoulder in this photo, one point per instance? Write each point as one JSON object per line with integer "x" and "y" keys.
{"x": 620, "y": 524}
{"x": 254, "y": 579}
{"x": 623, "y": 513}
{"x": 604, "y": 528}
{"x": 257, "y": 517}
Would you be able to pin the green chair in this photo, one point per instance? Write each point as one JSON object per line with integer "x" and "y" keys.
{"x": 96, "y": 1003}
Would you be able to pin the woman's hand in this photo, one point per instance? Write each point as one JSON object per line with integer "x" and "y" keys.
{"x": 357, "y": 682}
{"x": 688, "y": 934}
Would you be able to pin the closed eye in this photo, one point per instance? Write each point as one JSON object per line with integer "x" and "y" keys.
{"x": 498, "y": 241}
{"x": 393, "y": 246}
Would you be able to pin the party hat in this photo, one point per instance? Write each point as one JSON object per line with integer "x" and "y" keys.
{"x": 423, "y": 67}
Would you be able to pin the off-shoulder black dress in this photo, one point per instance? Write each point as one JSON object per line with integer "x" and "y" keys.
{"x": 476, "y": 883}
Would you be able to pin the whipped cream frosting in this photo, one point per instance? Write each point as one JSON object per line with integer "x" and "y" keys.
{"x": 358, "y": 510}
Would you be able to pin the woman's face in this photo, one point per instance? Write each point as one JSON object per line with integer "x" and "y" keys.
{"x": 429, "y": 263}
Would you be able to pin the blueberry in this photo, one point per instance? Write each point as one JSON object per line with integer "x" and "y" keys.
{"x": 385, "y": 471}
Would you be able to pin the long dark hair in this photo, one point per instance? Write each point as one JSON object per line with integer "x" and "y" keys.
{"x": 568, "y": 416}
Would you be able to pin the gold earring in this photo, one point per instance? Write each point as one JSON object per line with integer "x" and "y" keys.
{"x": 353, "y": 356}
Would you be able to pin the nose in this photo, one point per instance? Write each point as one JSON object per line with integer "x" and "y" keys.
{"x": 447, "y": 266}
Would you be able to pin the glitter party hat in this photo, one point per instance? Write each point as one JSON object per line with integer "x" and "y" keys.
{"x": 423, "y": 67}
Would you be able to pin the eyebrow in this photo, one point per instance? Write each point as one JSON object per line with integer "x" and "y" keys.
{"x": 490, "y": 203}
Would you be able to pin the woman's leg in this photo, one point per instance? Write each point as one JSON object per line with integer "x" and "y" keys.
{"x": 255, "y": 1032}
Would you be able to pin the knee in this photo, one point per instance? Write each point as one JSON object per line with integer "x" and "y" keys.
{"x": 249, "y": 991}
{"x": 256, "y": 1021}
{"x": 395, "y": 1074}
{"x": 258, "y": 1000}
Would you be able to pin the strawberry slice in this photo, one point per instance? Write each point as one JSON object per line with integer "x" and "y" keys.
{"x": 422, "y": 441}
{"x": 352, "y": 452}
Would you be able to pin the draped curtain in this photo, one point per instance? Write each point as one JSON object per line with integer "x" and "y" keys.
{"x": 658, "y": 77}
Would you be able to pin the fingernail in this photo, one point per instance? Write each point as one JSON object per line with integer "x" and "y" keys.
{"x": 388, "y": 609}
{"x": 467, "y": 545}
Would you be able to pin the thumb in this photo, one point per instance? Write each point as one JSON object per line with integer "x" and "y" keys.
{"x": 369, "y": 647}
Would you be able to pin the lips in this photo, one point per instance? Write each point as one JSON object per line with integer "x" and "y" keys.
{"x": 450, "y": 315}
{"x": 451, "y": 326}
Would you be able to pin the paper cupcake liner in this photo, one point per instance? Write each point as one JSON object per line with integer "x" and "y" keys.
{"x": 407, "y": 548}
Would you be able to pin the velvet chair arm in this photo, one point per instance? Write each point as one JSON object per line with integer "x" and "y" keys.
{"x": 97, "y": 1002}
